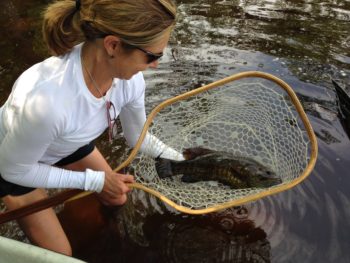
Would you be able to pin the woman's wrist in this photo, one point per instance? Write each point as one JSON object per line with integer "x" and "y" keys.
{"x": 94, "y": 180}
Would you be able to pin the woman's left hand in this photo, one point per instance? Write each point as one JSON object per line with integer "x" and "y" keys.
{"x": 115, "y": 188}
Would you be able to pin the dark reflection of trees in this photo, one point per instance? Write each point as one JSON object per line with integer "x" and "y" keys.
{"x": 327, "y": 137}
{"x": 20, "y": 44}
{"x": 284, "y": 28}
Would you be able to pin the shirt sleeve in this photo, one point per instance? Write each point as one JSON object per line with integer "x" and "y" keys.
{"x": 132, "y": 118}
{"x": 34, "y": 127}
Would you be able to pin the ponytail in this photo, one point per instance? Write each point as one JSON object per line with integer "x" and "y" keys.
{"x": 61, "y": 27}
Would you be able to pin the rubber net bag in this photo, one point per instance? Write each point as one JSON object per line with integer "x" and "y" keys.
{"x": 253, "y": 115}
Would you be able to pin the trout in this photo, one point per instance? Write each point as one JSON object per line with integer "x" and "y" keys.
{"x": 202, "y": 164}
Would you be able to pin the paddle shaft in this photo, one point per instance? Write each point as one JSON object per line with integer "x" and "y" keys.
{"x": 38, "y": 205}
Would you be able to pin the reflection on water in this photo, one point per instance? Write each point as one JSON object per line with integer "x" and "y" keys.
{"x": 159, "y": 236}
{"x": 20, "y": 41}
{"x": 283, "y": 28}
{"x": 305, "y": 43}
{"x": 214, "y": 238}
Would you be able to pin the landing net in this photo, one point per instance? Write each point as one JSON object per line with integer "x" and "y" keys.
{"x": 253, "y": 115}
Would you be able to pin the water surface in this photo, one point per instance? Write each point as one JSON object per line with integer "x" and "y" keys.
{"x": 306, "y": 43}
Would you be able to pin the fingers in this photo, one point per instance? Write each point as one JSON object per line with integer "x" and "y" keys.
{"x": 115, "y": 188}
{"x": 127, "y": 178}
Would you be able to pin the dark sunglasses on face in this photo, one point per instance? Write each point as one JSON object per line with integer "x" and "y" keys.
{"x": 151, "y": 57}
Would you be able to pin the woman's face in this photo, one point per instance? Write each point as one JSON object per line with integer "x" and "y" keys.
{"x": 129, "y": 63}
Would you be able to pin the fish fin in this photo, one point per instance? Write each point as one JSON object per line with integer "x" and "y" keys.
{"x": 158, "y": 157}
{"x": 188, "y": 178}
{"x": 191, "y": 153}
{"x": 163, "y": 167}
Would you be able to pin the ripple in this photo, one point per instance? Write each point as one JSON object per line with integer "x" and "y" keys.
{"x": 303, "y": 42}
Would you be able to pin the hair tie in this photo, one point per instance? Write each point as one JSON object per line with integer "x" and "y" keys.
{"x": 77, "y": 5}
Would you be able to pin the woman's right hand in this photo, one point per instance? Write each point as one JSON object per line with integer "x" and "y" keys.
{"x": 115, "y": 188}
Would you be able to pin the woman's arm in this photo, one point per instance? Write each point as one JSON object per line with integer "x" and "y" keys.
{"x": 132, "y": 119}
{"x": 33, "y": 128}
{"x": 115, "y": 185}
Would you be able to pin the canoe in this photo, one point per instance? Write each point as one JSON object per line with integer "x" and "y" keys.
{"x": 13, "y": 251}
{"x": 83, "y": 220}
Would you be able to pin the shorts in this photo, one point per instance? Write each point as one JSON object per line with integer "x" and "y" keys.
{"x": 8, "y": 188}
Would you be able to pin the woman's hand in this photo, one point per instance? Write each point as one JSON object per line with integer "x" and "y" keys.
{"x": 115, "y": 188}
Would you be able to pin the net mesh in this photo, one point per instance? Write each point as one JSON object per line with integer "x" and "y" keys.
{"x": 251, "y": 118}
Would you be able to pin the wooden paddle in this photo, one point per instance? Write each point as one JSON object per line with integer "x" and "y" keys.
{"x": 39, "y": 205}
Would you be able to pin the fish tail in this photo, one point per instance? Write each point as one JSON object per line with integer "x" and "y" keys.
{"x": 164, "y": 167}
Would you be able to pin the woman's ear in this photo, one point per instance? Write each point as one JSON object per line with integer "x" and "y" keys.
{"x": 111, "y": 44}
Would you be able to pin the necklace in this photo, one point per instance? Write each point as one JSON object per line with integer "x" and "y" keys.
{"x": 94, "y": 84}
{"x": 110, "y": 109}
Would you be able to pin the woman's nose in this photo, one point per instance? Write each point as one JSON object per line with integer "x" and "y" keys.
{"x": 153, "y": 64}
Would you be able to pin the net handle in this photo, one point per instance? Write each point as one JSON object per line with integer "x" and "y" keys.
{"x": 247, "y": 74}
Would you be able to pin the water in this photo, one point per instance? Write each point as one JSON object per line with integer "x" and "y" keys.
{"x": 305, "y": 43}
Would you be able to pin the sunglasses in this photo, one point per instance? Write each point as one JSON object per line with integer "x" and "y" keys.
{"x": 112, "y": 120}
{"x": 151, "y": 57}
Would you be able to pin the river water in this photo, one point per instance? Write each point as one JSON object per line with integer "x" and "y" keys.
{"x": 306, "y": 43}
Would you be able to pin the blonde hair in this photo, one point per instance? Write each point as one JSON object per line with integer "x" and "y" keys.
{"x": 136, "y": 22}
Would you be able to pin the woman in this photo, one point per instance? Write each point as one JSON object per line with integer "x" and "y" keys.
{"x": 59, "y": 106}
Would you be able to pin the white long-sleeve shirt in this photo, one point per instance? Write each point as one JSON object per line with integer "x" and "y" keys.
{"x": 50, "y": 113}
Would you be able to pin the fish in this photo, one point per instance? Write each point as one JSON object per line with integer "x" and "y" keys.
{"x": 203, "y": 164}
